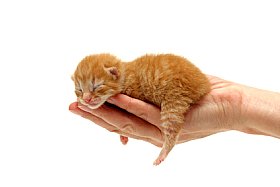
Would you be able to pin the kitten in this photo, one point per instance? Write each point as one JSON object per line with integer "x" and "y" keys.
{"x": 168, "y": 81}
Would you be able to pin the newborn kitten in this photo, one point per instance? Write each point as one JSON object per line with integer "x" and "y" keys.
{"x": 168, "y": 81}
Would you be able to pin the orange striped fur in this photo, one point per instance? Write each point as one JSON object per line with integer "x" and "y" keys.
{"x": 171, "y": 82}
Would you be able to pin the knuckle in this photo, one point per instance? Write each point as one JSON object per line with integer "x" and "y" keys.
{"x": 143, "y": 115}
{"x": 127, "y": 128}
{"x": 138, "y": 108}
{"x": 128, "y": 106}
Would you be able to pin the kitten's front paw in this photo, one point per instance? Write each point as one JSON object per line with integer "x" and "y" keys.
{"x": 124, "y": 139}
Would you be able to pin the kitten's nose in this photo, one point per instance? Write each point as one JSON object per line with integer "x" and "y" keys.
{"x": 87, "y": 97}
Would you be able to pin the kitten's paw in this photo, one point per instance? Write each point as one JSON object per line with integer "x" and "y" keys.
{"x": 160, "y": 158}
{"x": 124, "y": 139}
{"x": 158, "y": 161}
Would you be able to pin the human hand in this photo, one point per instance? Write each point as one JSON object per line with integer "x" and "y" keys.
{"x": 218, "y": 111}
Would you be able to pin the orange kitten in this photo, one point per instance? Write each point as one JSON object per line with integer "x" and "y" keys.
{"x": 168, "y": 81}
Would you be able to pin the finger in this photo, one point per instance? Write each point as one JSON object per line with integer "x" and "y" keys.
{"x": 108, "y": 114}
{"x": 152, "y": 141}
{"x": 125, "y": 122}
{"x": 123, "y": 139}
{"x": 74, "y": 109}
{"x": 146, "y": 139}
{"x": 144, "y": 110}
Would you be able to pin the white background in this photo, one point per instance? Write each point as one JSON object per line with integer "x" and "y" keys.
{"x": 41, "y": 42}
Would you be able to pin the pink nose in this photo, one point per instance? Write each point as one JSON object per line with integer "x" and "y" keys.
{"x": 87, "y": 97}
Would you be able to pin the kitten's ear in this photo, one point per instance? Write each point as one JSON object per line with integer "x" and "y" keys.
{"x": 113, "y": 71}
{"x": 72, "y": 77}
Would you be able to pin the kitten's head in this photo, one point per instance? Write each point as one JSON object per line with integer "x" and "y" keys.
{"x": 97, "y": 78}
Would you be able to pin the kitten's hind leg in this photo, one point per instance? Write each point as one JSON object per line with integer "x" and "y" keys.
{"x": 123, "y": 139}
{"x": 173, "y": 118}
{"x": 171, "y": 132}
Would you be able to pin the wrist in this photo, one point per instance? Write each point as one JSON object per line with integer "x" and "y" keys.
{"x": 260, "y": 112}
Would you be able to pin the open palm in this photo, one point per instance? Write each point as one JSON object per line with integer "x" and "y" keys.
{"x": 218, "y": 111}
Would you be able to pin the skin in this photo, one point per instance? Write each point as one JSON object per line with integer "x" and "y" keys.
{"x": 228, "y": 106}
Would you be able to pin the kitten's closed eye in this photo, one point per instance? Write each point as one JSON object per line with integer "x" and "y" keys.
{"x": 97, "y": 86}
{"x": 78, "y": 91}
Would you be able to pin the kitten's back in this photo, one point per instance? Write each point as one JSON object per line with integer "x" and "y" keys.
{"x": 157, "y": 77}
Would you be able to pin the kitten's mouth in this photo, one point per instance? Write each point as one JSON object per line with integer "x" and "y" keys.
{"x": 93, "y": 103}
